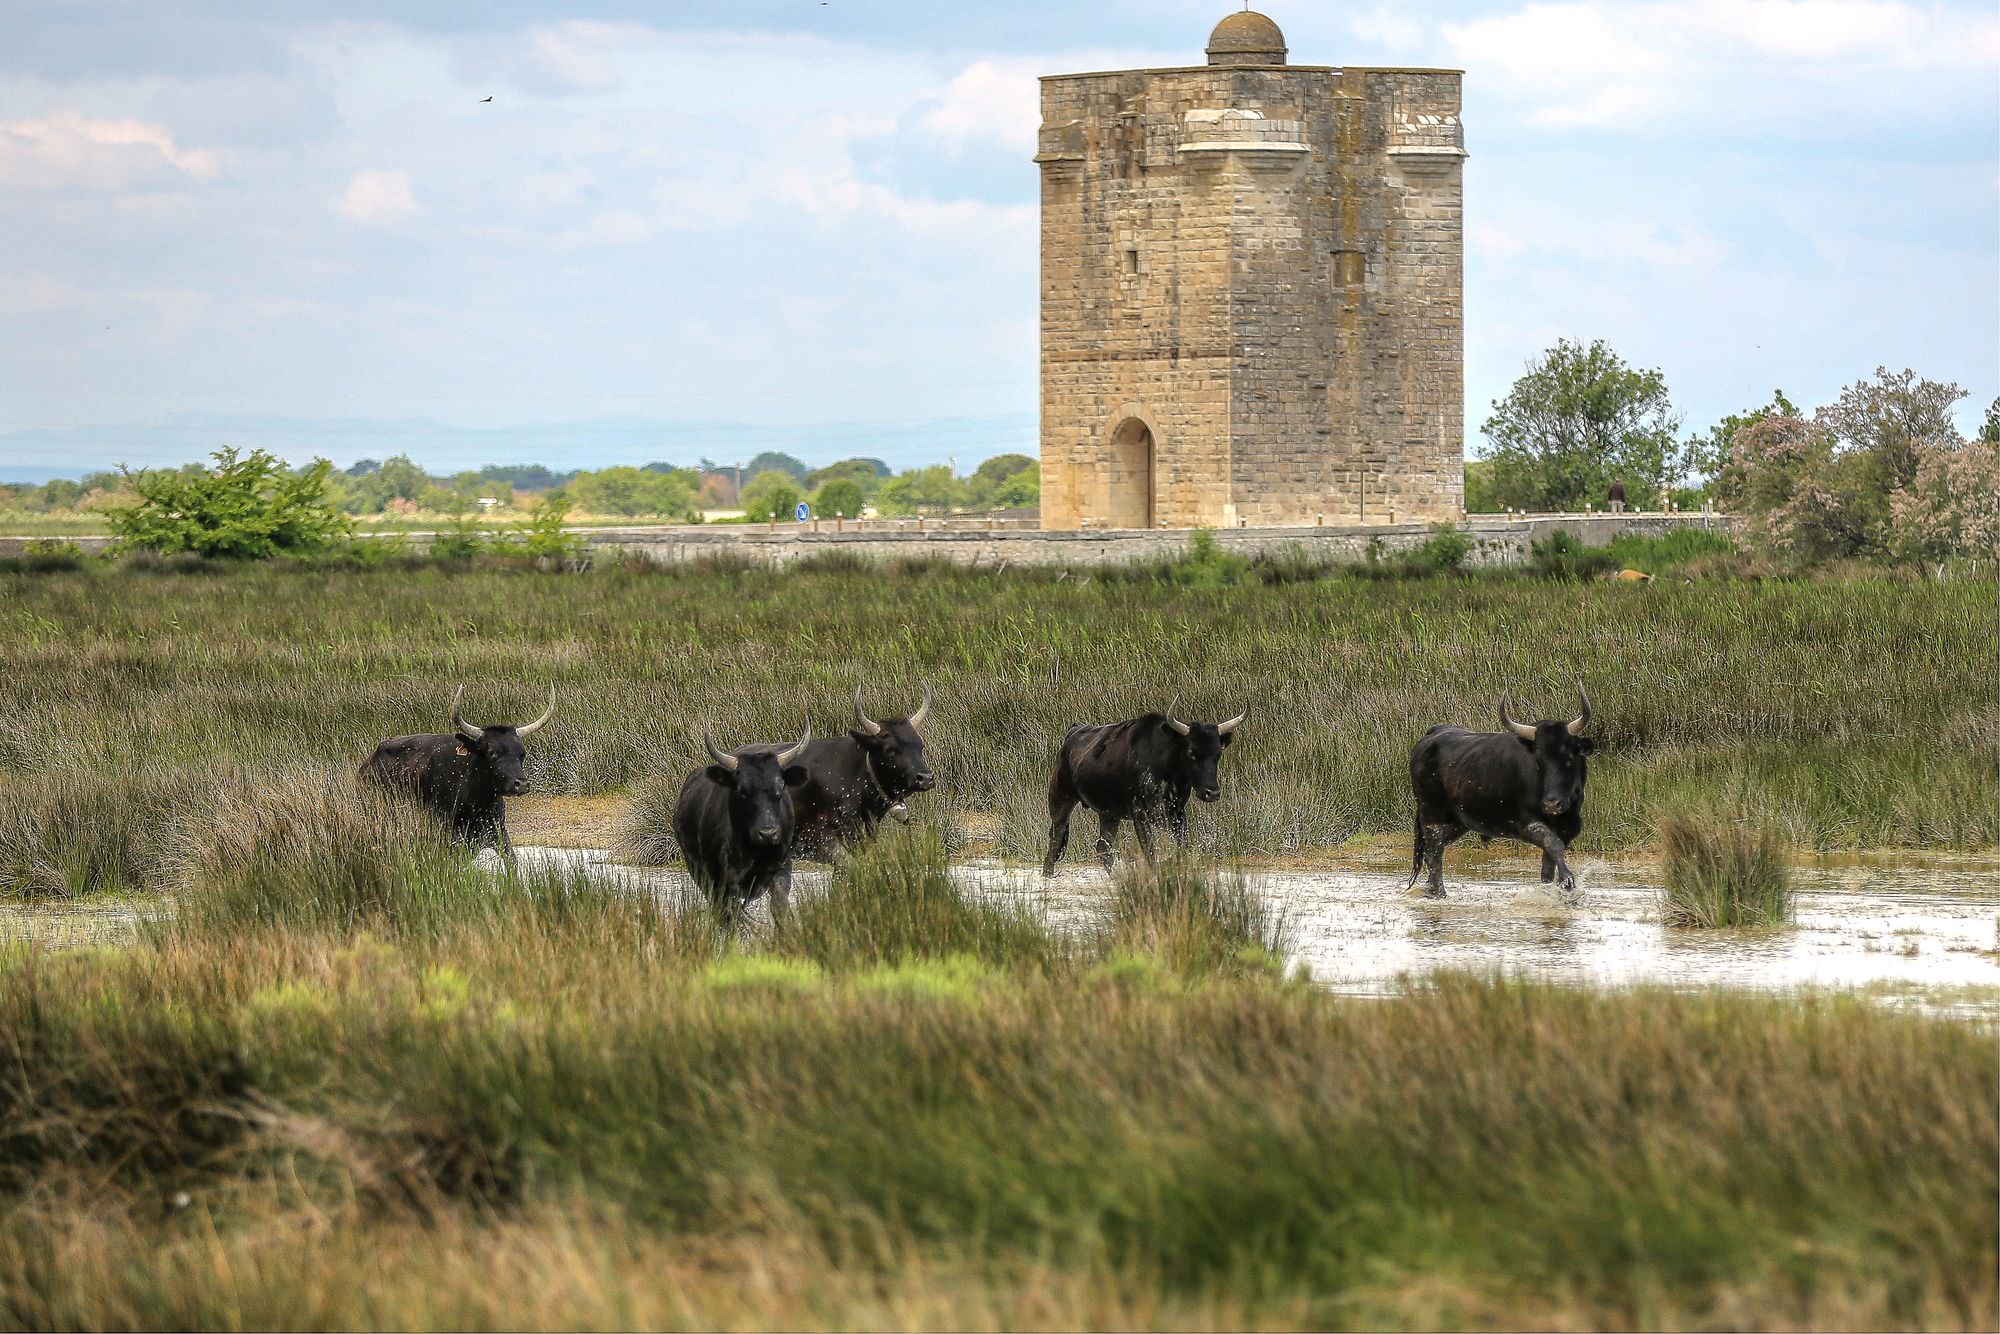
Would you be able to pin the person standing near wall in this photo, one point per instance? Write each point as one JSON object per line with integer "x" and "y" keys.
{"x": 1617, "y": 497}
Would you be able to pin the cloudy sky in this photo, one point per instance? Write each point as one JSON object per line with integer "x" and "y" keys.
{"x": 684, "y": 229}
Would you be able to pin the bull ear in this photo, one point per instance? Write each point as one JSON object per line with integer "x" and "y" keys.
{"x": 1226, "y": 738}
{"x": 1585, "y": 745}
{"x": 795, "y": 775}
{"x": 720, "y": 776}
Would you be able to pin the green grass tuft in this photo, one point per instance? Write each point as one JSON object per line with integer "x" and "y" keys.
{"x": 1723, "y": 869}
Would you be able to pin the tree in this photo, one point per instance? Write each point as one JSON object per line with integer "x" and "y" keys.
{"x": 526, "y": 476}
{"x": 630, "y": 491}
{"x": 770, "y": 495}
{"x": 864, "y": 473}
{"x": 839, "y": 496}
{"x": 1580, "y": 419}
{"x": 1894, "y": 420}
{"x": 248, "y": 506}
{"x": 1880, "y": 473}
{"x": 771, "y": 461}
{"x": 988, "y": 486}
{"x": 1021, "y": 490}
{"x": 921, "y": 491}
{"x": 1708, "y": 454}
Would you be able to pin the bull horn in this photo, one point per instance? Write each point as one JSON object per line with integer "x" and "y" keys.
{"x": 1521, "y": 730}
{"x": 923, "y": 709}
{"x": 785, "y": 757}
{"x": 458, "y": 723}
{"x": 1226, "y": 728}
{"x": 718, "y": 754}
{"x": 862, "y": 722}
{"x": 1582, "y": 720}
{"x": 1177, "y": 725}
{"x": 547, "y": 714}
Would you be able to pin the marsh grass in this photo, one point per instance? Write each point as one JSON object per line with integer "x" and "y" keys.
{"x": 1238, "y": 1147}
{"x": 1195, "y": 919}
{"x": 1699, "y": 687}
{"x": 1723, "y": 868}
{"x": 893, "y": 900}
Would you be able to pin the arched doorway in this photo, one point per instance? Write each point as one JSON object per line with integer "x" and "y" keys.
{"x": 1130, "y": 502}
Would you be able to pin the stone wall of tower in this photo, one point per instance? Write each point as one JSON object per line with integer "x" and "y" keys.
{"x": 1264, "y": 265}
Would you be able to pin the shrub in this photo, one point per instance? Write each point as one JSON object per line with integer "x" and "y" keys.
{"x": 771, "y": 497}
{"x": 461, "y": 539}
{"x": 544, "y": 537}
{"x": 840, "y": 496}
{"x": 1723, "y": 869}
{"x": 247, "y": 507}
{"x": 1207, "y": 565}
{"x": 1445, "y": 550}
{"x": 1563, "y": 555}
{"x": 44, "y": 555}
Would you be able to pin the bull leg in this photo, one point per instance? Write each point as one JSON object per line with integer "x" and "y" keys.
{"x": 1551, "y": 844}
{"x": 780, "y": 889}
{"x": 1177, "y": 824}
{"x": 502, "y": 844}
{"x": 1062, "y": 801}
{"x": 1107, "y": 830}
{"x": 1143, "y": 831}
{"x": 1548, "y": 867}
{"x": 1432, "y": 840}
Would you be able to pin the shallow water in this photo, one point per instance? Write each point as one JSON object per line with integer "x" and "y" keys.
{"x": 1927, "y": 936}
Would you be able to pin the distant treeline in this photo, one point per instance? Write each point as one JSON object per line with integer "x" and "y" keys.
{"x": 769, "y": 485}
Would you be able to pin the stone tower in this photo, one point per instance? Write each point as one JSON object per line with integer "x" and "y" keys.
{"x": 1252, "y": 295}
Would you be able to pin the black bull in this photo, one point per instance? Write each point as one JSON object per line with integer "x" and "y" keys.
{"x": 1525, "y": 783}
{"x": 854, "y": 781}
{"x": 734, "y": 824}
{"x": 462, "y": 775}
{"x": 1142, "y": 770}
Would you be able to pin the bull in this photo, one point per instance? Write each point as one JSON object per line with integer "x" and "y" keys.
{"x": 1142, "y": 770}
{"x": 856, "y": 780}
{"x": 734, "y": 822}
{"x": 464, "y": 775}
{"x": 1525, "y": 783}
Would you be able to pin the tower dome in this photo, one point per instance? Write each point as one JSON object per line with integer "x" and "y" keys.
{"x": 1246, "y": 38}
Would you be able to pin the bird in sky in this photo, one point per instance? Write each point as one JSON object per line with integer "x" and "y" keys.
{"x": 486, "y": 99}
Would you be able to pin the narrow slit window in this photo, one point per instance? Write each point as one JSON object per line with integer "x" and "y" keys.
{"x": 1132, "y": 263}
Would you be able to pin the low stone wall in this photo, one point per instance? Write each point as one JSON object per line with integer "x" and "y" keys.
{"x": 1495, "y": 541}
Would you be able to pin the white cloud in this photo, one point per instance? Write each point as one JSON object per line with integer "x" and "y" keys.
{"x": 378, "y": 197}
{"x": 68, "y": 150}
{"x": 1594, "y": 62}
{"x": 1389, "y": 29}
{"x": 990, "y": 101}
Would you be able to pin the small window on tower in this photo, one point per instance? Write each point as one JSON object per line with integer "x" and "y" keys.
{"x": 1132, "y": 263}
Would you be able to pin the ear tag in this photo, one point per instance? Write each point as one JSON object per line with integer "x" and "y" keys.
{"x": 460, "y": 748}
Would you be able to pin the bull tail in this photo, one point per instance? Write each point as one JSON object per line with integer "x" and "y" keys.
{"x": 1417, "y": 853}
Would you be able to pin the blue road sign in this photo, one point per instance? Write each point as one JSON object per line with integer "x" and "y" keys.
{"x": 803, "y": 512}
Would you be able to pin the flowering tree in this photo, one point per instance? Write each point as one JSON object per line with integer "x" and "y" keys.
{"x": 1881, "y": 472}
